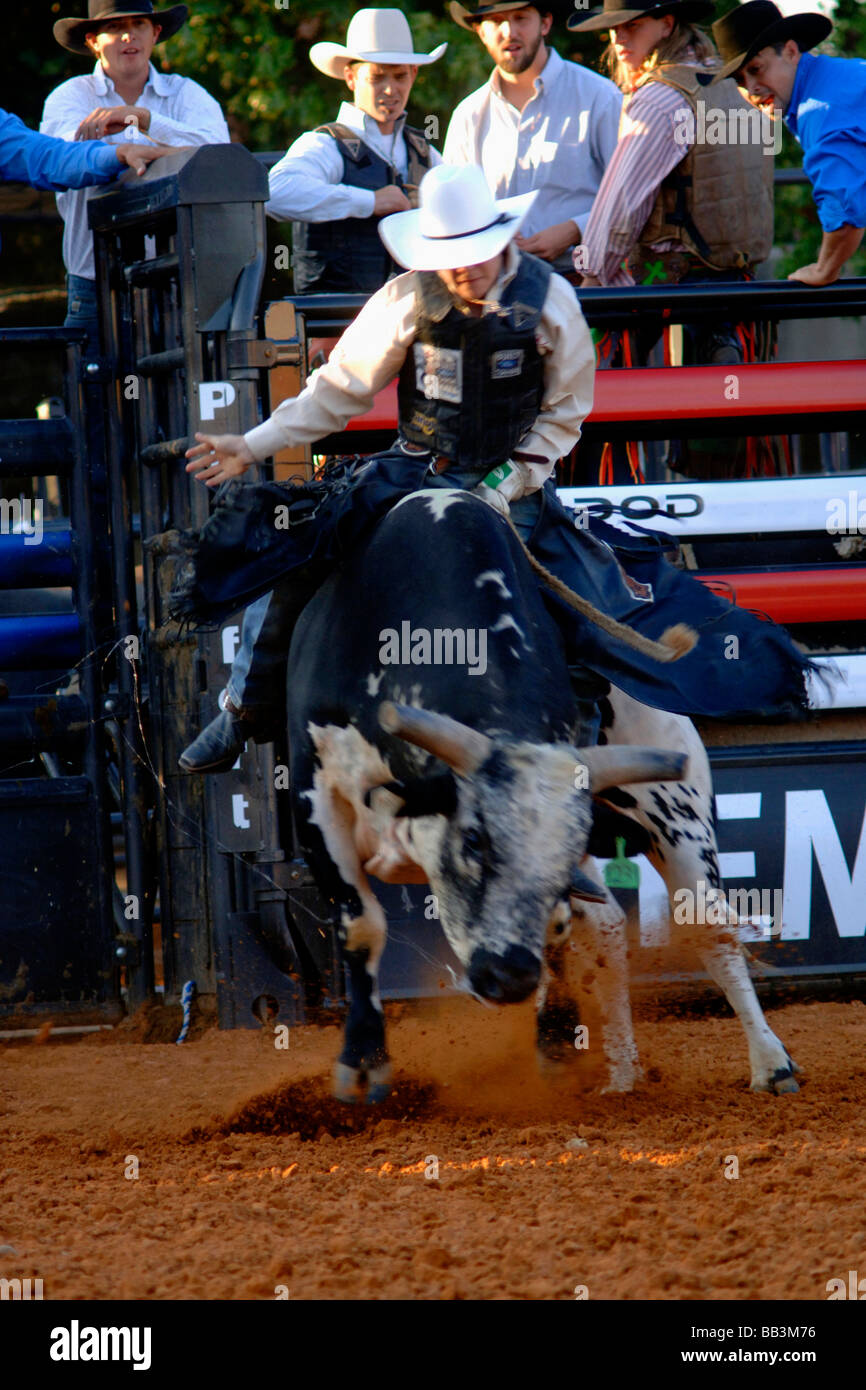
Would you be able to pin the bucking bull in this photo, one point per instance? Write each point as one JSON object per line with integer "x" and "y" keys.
{"x": 409, "y": 770}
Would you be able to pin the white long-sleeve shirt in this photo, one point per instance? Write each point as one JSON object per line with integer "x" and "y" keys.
{"x": 305, "y": 185}
{"x": 181, "y": 113}
{"x": 372, "y": 350}
{"x": 560, "y": 143}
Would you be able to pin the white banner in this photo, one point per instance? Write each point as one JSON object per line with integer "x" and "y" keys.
{"x": 834, "y": 504}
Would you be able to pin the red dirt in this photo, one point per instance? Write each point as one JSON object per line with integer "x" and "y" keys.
{"x": 251, "y": 1178}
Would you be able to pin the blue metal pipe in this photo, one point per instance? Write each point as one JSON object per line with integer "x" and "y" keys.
{"x": 39, "y": 641}
{"x": 42, "y": 447}
{"x": 46, "y": 565}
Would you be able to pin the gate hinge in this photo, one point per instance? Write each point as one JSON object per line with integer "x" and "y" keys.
{"x": 256, "y": 352}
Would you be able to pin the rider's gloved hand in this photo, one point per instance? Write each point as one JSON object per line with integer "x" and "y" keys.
{"x": 503, "y": 485}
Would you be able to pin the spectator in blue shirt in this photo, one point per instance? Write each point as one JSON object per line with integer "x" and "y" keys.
{"x": 45, "y": 162}
{"x": 824, "y": 103}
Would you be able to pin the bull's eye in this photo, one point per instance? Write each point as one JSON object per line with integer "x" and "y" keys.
{"x": 476, "y": 844}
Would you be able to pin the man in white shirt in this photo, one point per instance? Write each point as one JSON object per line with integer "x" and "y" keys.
{"x": 123, "y": 98}
{"x": 538, "y": 123}
{"x": 335, "y": 182}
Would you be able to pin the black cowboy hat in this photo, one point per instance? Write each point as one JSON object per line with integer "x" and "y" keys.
{"x": 746, "y": 30}
{"x": 70, "y": 33}
{"x": 468, "y": 18}
{"x": 688, "y": 11}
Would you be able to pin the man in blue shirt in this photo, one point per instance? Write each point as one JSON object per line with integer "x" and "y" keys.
{"x": 45, "y": 162}
{"x": 824, "y": 102}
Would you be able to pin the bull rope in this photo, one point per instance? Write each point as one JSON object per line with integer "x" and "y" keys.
{"x": 675, "y": 642}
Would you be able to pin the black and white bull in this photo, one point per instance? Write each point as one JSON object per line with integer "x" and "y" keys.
{"x": 413, "y": 769}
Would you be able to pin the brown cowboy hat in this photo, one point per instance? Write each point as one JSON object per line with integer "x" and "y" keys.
{"x": 70, "y": 33}
{"x": 468, "y": 18}
{"x": 611, "y": 14}
{"x": 743, "y": 32}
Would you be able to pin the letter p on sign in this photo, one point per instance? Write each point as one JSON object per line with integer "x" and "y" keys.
{"x": 214, "y": 396}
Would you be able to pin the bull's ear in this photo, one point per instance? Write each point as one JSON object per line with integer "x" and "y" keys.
{"x": 435, "y": 795}
{"x": 585, "y": 888}
{"x": 395, "y": 787}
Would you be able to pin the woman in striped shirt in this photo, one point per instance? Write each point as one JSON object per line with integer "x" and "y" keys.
{"x": 688, "y": 192}
{"x": 686, "y": 197}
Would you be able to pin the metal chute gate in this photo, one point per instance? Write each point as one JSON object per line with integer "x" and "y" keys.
{"x": 208, "y": 872}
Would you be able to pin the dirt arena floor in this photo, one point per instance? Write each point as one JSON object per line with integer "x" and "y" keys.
{"x": 252, "y": 1183}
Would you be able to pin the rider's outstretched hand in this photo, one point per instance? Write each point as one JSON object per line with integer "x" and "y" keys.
{"x": 217, "y": 457}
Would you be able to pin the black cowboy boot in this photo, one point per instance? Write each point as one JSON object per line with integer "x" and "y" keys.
{"x": 221, "y": 742}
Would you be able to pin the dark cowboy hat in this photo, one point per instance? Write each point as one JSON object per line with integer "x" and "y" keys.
{"x": 468, "y": 18}
{"x": 688, "y": 11}
{"x": 69, "y": 33}
{"x": 746, "y": 30}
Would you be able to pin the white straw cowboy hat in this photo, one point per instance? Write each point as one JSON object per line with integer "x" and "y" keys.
{"x": 457, "y": 222}
{"x": 373, "y": 36}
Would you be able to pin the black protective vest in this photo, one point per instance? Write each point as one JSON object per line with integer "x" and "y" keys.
{"x": 346, "y": 256}
{"x": 471, "y": 388}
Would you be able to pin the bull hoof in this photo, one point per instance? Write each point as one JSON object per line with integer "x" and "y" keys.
{"x": 623, "y": 1079}
{"x": 378, "y": 1084}
{"x": 362, "y": 1085}
{"x": 781, "y": 1083}
{"x": 554, "y": 1065}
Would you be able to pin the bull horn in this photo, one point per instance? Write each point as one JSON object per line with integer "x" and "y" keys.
{"x": 462, "y": 748}
{"x": 613, "y": 766}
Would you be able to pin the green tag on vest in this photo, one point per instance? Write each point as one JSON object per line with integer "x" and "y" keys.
{"x": 622, "y": 872}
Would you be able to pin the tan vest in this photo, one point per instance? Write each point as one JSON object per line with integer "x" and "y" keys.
{"x": 717, "y": 204}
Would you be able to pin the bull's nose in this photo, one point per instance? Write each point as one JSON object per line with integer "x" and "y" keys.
{"x": 505, "y": 979}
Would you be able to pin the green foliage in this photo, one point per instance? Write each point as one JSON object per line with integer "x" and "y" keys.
{"x": 848, "y": 38}
{"x": 254, "y": 58}
{"x": 39, "y": 61}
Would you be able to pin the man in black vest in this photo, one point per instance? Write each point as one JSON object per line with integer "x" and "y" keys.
{"x": 336, "y": 182}
{"x": 495, "y": 366}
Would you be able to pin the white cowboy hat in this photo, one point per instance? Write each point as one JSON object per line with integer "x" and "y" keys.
{"x": 373, "y": 36}
{"x": 457, "y": 222}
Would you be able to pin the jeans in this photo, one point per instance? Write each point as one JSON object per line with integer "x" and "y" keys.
{"x": 82, "y": 310}
{"x": 703, "y": 341}
{"x": 257, "y": 683}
